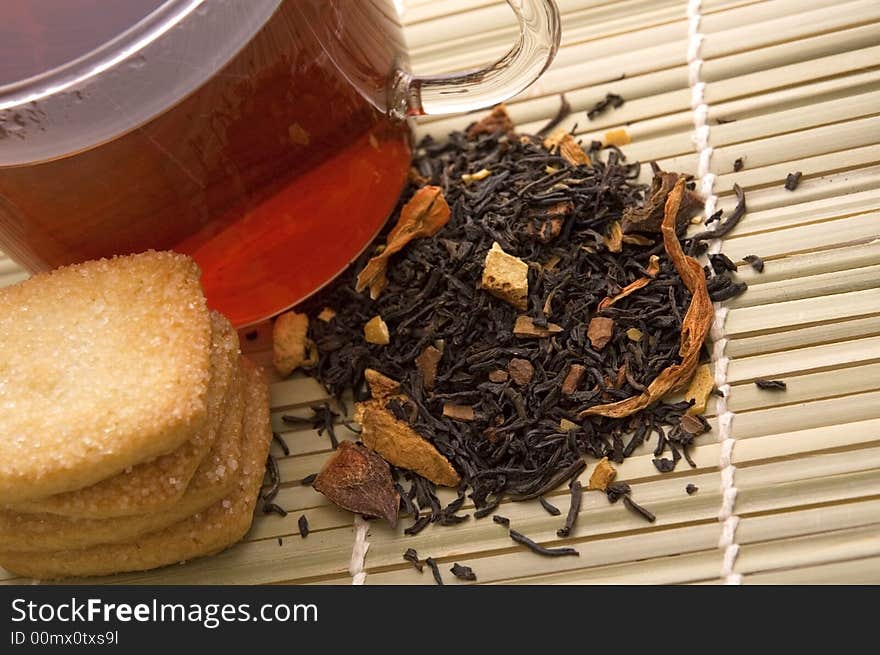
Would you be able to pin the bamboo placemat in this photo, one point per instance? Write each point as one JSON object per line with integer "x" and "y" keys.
{"x": 789, "y": 86}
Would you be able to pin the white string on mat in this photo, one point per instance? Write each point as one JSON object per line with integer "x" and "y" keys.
{"x": 727, "y": 513}
{"x": 359, "y": 551}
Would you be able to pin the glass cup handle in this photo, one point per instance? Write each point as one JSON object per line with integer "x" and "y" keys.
{"x": 539, "y": 34}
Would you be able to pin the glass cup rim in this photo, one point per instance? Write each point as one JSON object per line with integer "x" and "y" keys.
{"x": 79, "y": 70}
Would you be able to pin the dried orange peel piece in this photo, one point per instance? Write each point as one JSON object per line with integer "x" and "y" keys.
{"x": 423, "y": 216}
{"x": 632, "y": 287}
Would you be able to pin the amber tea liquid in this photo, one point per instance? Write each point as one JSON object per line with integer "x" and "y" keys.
{"x": 274, "y": 173}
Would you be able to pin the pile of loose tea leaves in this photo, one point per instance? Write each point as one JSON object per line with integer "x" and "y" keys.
{"x": 517, "y": 387}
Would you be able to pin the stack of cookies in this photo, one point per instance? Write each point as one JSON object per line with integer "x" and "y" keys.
{"x": 132, "y": 432}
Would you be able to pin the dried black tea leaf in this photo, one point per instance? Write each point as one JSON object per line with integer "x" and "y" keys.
{"x": 771, "y": 385}
{"x": 463, "y": 572}
{"x": 412, "y": 557}
{"x": 756, "y": 262}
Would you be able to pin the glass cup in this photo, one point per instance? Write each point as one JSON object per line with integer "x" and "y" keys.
{"x": 265, "y": 138}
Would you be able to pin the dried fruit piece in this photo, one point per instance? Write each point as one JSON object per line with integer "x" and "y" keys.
{"x": 565, "y": 425}
{"x": 481, "y": 174}
{"x": 327, "y": 314}
{"x": 637, "y": 240}
{"x": 649, "y": 216}
{"x": 497, "y": 120}
{"x": 573, "y": 378}
{"x": 634, "y": 334}
{"x": 381, "y": 386}
{"x": 521, "y": 371}
{"x": 424, "y": 215}
{"x": 402, "y": 446}
{"x": 545, "y": 223}
{"x": 357, "y": 479}
{"x": 376, "y": 331}
{"x": 700, "y": 389}
{"x": 525, "y": 327}
{"x": 602, "y": 475}
{"x": 458, "y": 412}
{"x": 632, "y": 287}
{"x": 600, "y": 331}
{"x": 695, "y": 326}
{"x": 498, "y": 376}
{"x": 614, "y": 238}
{"x": 618, "y": 137}
{"x": 291, "y": 347}
{"x": 569, "y": 149}
{"x": 427, "y": 364}
{"x": 506, "y": 277}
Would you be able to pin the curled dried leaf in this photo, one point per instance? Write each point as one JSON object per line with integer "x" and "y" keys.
{"x": 400, "y": 445}
{"x": 357, "y": 479}
{"x": 600, "y": 331}
{"x": 695, "y": 326}
{"x": 496, "y": 121}
{"x": 602, "y": 475}
{"x": 424, "y": 215}
{"x": 525, "y": 327}
{"x": 632, "y": 287}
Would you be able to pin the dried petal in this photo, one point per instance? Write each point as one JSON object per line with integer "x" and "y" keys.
{"x": 695, "y": 326}
{"x": 376, "y": 331}
{"x": 381, "y": 386}
{"x": 402, "y": 446}
{"x": 424, "y": 215}
{"x": 573, "y": 378}
{"x": 357, "y": 479}
{"x": 427, "y": 364}
{"x": 291, "y": 347}
{"x": 700, "y": 389}
{"x": 497, "y": 120}
{"x": 632, "y": 287}
{"x": 600, "y": 331}
{"x": 525, "y": 327}
{"x": 458, "y": 412}
{"x": 602, "y": 475}
{"x": 521, "y": 371}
